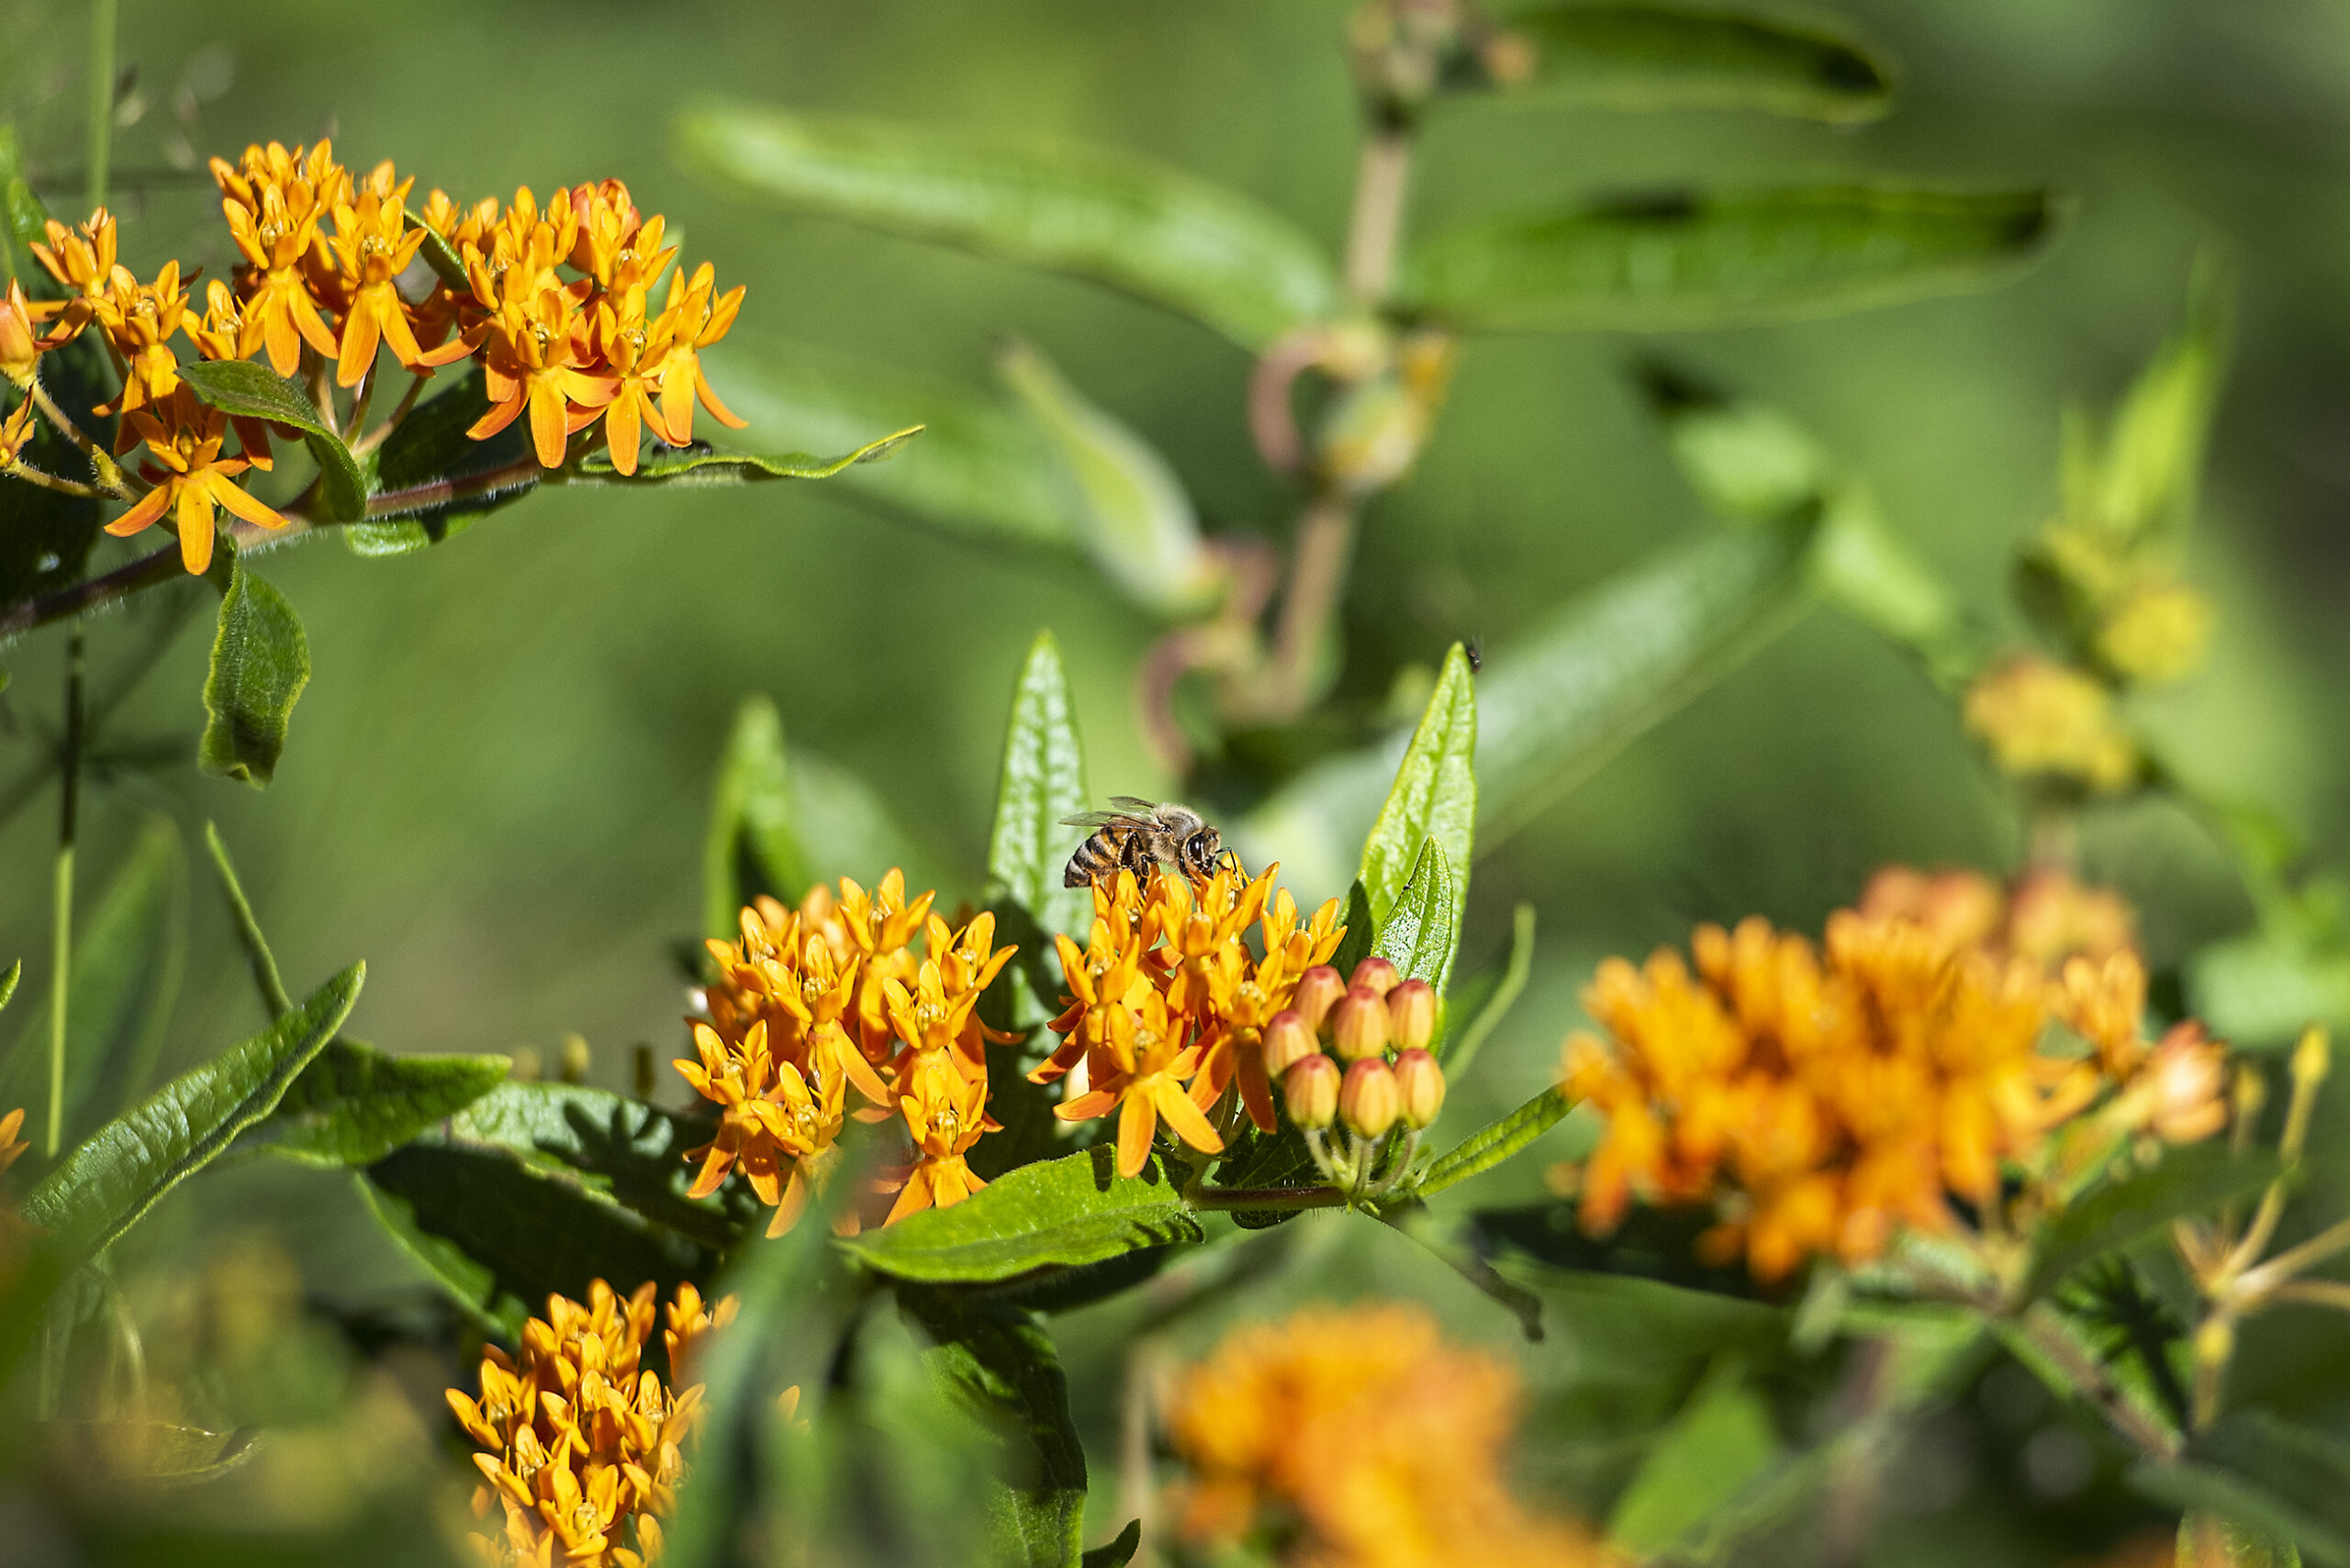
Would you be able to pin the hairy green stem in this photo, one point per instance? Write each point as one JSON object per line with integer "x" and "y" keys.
{"x": 61, "y": 904}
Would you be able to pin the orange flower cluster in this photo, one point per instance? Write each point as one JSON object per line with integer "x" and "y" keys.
{"x": 327, "y": 276}
{"x": 832, "y": 994}
{"x": 581, "y": 1444}
{"x": 1365, "y": 1440}
{"x": 1820, "y": 1097}
{"x": 1167, "y": 1003}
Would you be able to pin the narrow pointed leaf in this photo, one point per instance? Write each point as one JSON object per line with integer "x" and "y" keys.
{"x": 702, "y": 464}
{"x": 1688, "y": 259}
{"x": 751, "y": 846}
{"x": 1658, "y": 57}
{"x": 1488, "y": 1147}
{"x": 1435, "y": 794}
{"x": 430, "y": 481}
{"x": 1042, "y": 781}
{"x": 261, "y": 661}
{"x": 1178, "y": 242}
{"x": 1423, "y": 931}
{"x": 1457, "y": 1049}
{"x": 256, "y": 391}
{"x": 356, "y": 1104}
{"x": 103, "y": 1187}
{"x": 1118, "y": 1553}
{"x": 1054, "y": 1213}
{"x": 15, "y": 972}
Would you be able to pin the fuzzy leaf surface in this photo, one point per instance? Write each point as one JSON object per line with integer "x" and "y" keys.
{"x": 1055, "y": 1214}
{"x": 2113, "y": 1215}
{"x": 1490, "y": 1145}
{"x": 1433, "y": 797}
{"x": 256, "y": 391}
{"x": 356, "y": 1103}
{"x": 261, "y": 661}
{"x": 1422, "y": 933}
{"x": 702, "y": 464}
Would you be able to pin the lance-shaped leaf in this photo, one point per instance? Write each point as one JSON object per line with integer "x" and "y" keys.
{"x": 254, "y": 391}
{"x": 1686, "y": 259}
{"x": 1136, "y": 522}
{"x": 8, "y": 980}
{"x": 1041, "y": 783}
{"x": 261, "y": 661}
{"x": 1489, "y": 1146}
{"x": 430, "y": 481}
{"x": 1659, "y": 57}
{"x": 2146, "y": 476}
{"x": 750, "y": 847}
{"x": 999, "y": 1362}
{"x": 128, "y": 960}
{"x": 1054, "y": 1213}
{"x": 702, "y": 464}
{"x": 1433, "y": 797}
{"x": 1178, "y": 242}
{"x": 981, "y": 471}
{"x": 1116, "y": 1552}
{"x": 1421, "y": 934}
{"x": 102, "y": 1188}
{"x": 2256, "y": 1468}
{"x": 2117, "y": 1215}
{"x": 356, "y": 1104}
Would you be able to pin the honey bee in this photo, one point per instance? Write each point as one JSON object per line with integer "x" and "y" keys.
{"x": 1137, "y": 833}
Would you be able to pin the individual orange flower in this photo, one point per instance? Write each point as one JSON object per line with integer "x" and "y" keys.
{"x": 189, "y": 475}
{"x": 945, "y": 1112}
{"x": 84, "y": 262}
{"x": 373, "y": 244}
{"x": 12, "y": 1147}
{"x": 276, "y": 205}
{"x": 532, "y": 359}
{"x": 17, "y": 433}
{"x": 139, "y": 321}
{"x": 694, "y": 320}
{"x": 635, "y": 356}
{"x": 20, "y": 345}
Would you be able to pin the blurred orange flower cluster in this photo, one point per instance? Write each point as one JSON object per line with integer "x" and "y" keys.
{"x": 832, "y": 994}
{"x": 1820, "y": 1097}
{"x": 582, "y": 1445}
{"x": 1167, "y": 1002}
{"x": 1359, "y": 1439}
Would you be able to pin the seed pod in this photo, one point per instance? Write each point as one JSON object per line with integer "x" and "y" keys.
{"x": 1411, "y": 1014}
{"x": 1311, "y": 1090}
{"x": 1375, "y": 973}
{"x": 1419, "y": 1083}
{"x": 1319, "y": 989}
{"x": 1358, "y": 1025}
{"x": 1367, "y": 1100}
{"x": 1288, "y": 1041}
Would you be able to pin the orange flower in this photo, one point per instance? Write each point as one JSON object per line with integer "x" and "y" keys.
{"x": 635, "y": 356}
{"x": 694, "y": 321}
{"x": 533, "y": 360}
{"x": 372, "y": 245}
{"x": 276, "y": 205}
{"x": 945, "y": 1112}
{"x": 190, "y": 476}
{"x": 16, "y": 432}
{"x": 83, "y": 262}
{"x": 20, "y": 345}
{"x": 139, "y": 320}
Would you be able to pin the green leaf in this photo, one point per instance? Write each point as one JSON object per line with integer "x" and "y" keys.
{"x": 2117, "y": 1215}
{"x": 152, "y": 1453}
{"x": 1118, "y": 1552}
{"x": 2154, "y": 455}
{"x": 2261, "y": 990}
{"x": 1659, "y": 57}
{"x": 1164, "y": 236}
{"x": 23, "y": 219}
{"x": 261, "y": 661}
{"x": 256, "y": 391}
{"x": 750, "y": 847}
{"x": 1000, "y": 1363}
{"x": 1457, "y": 1051}
{"x": 2256, "y": 1468}
{"x": 356, "y": 1104}
{"x": 1722, "y": 1440}
{"x": 249, "y": 933}
{"x": 1435, "y": 794}
{"x": 702, "y": 464}
{"x": 127, "y": 962}
{"x": 8, "y": 981}
{"x": 1684, "y": 258}
{"x": 430, "y": 481}
{"x": 1483, "y": 1149}
{"x": 1054, "y": 1213}
{"x": 1134, "y": 520}
{"x": 1422, "y": 933}
{"x": 441, "y": 256}
{"x": 1042, "y": 781}
{"x": 117, "y": 1173}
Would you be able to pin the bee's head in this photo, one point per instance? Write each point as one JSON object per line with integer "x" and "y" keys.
{"x": 1201, "y": 850}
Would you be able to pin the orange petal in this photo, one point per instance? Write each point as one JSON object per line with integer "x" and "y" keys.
{"x": 150, "y": 507}
{"x": 1138, "y": 1125}
{"x": 1183, "y": 1116}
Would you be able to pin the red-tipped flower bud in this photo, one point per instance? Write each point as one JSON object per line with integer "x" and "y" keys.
{"x": 1411, "y": 1014}
{"x": 1375, "y": 973}
{"x": 1358, "y": 1025}
{"x": 1311, "y": 1090}
{"x": 1319, "y": 989}
{"x": 1288, "y": 1041}
{"x": 1367, "y": 1099}
{"x": 1420, "y": 1084}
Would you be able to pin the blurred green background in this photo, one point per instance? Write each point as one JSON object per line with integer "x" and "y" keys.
{"x": 497, "y": 779}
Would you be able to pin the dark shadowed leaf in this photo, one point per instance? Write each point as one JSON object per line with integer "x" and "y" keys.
{"x": 1488, "y": 1147}
{"x": 1054, "y": 1213}
{"x": 1422, "y": 933}
{"x": 1434, "y": 796}
{"x": 2258, "y": 1469}
{"x": 1118, "y": 1552}
{"x": 1657, "y": 56}
{"x": 431, "y": 481}
{"x": 356, "y": 1104}
{"x": 2115, "y": 1216}
{"x": 109, "y": 1180}
{"x": 256, "y": 391}
{"x": 1686, "y": 259}
{"x": 1165, "y": 236}
{"x": 261, "y": 661}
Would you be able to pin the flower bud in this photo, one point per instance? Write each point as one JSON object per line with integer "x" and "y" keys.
{"x": 1375, "y": 973}
{"x": 1419, "y": 1085}
{"x": 2187, "y": 1075}
{"x": 1367, "y": 1099}
{"x": 1358, "y": 1025}
{"x": 1411, "y": 1014}
{"x": 1318, "y": 990}
{"x": 1311, "y": 1090}
{"x": 1288, "y": 1041}
{"x": 18, "y": 352}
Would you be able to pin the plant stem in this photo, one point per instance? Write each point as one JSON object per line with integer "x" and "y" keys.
{"x": 91, "y": 592}
{"x": 1268, "y": 1198}
{"x": 110, "y": 474}
{"x": 1318, "y": 578}
{"x": 101, "y": 20}
{"x": 32, "y": 475}
{"x": 2039, "y": 1324}
{"x": 370, "y": 440}
{"x": 1382, "y": 177}
{"x": 62, "y": 907}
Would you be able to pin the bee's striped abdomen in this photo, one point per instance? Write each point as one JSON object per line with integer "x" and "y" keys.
{"x": 1098, "y": 856}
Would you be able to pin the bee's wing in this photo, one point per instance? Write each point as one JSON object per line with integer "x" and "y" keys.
{"x": 1135, "y": 805}
{"x": 1103, "y": 819}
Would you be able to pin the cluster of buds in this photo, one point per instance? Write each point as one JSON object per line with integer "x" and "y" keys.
{"x": 581, "y": 1444}
{"x": 328, "y": 278}
{"x": 1167, "y": 1009}
{"x": 832, "y": 995}
{"x": 1378, "y": 1028}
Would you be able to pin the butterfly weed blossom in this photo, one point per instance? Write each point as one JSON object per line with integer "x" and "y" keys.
{"x": 1943, "y": 1039}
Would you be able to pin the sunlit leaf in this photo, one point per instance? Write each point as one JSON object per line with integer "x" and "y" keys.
{"x": 1165, "y": 236}
{"x": 15, "y": 972}
{"x": 1422, "y": 933}
{"x": 1489, "y": 1146}
{"x": 1054, "y": 1213}
{"x": 1657, "y": 56}
{"x": 102, "y": 1188}
{"x": 261, "y": 661}
{"x": 430, "y": 481}
{"x": 702, "y": 464}
{"x": 2152, "y": 459}
{"x": 1433, "y": 797}
{"x": 254, "y": 391}
{"x": 2261, "y": 990}
{"x": 356, "y": 1104}
{"x": 1683, "y": 259}
{"x": 1041, "y": 783}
